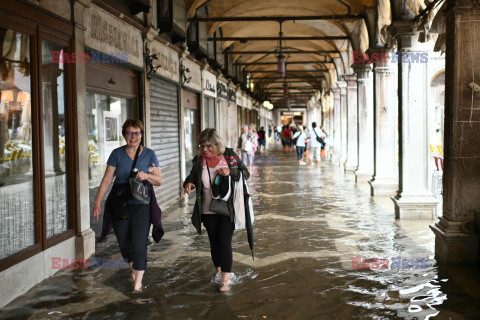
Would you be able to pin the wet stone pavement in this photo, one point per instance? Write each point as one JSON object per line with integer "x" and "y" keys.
{"x": 314, "y": 227}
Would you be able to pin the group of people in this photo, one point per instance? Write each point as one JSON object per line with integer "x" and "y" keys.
{"x": 250, "y": 141}
{"x": 132, "y": 226}
{"x": 308, "y": 143}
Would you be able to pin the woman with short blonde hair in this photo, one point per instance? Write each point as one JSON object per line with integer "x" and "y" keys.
{"x": 211, "y": 136}
{"x": 213, "y": 159}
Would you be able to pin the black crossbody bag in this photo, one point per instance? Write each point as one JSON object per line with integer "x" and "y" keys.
{"x": 319, "y": 139}
{"x": 121, "y": 194}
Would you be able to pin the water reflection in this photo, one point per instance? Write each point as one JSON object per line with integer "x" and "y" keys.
{"x": 305, "y": 242}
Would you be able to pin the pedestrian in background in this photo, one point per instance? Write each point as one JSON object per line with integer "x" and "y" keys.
{"x": 286, "y": 138}
{"x": 245, "y": 145}
{"x": 316, "y": 134}
{"x": 301, "y": 142}
{"x": 261, "y": 138}
{"x": 254, "y": 135}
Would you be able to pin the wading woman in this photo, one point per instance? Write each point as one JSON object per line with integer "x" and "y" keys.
{"x": 131, "y": 223}
{"x": 212, "y": 159}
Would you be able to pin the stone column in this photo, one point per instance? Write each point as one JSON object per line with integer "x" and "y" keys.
{"x": 364, "y": 171}
{"x": 455, "y": 239}
{"x": 336, "y": 132}
{"x": 85, "y": 239}
{"x": 385, "y": 176}
{"x": 413, "y": 200}
{"x": 343, "y": 122}
{"x": 352, "y": 124}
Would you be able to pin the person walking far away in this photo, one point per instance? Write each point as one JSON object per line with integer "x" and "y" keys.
{"x": 131, "y": 218}
{"x": 317, "y": 143}
{"x": 301, "y": 140}
{"x": 212, "y": 159}
{"x": 245, "y": 145}
{"x": 262, "y": 139}
{"x": 286, "y": 138}
{"x": 254, "y": 135}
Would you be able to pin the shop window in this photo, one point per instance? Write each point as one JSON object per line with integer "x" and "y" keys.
{"x": 54, "y": 144}
{"x": 16, "y": 174}
{"x": 105, "y": 117}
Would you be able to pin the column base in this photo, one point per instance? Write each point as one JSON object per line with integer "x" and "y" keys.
{"x": 415, "y": 208}
{"x": 350, "y": 167}
{"x": 455, "y": 242}
{"x": 85, "y": 244}
{"x": 363, "y": 176}
{"x": 383, "y": 187}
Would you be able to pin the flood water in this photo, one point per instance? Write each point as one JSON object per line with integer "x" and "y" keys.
{"x": 311, "y": 223}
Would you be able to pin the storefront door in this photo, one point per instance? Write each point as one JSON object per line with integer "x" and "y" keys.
{"x": 192, "y": 126}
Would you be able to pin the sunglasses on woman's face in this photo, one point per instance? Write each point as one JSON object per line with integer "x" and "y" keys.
{"x": 203, "y": 146}
{"x": 137, "y": 133}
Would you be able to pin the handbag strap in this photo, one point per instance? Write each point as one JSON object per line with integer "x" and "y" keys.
{"x": 134, "y": 162}
{"x": 208, "y": 170}
{"x": 315, "y": 132}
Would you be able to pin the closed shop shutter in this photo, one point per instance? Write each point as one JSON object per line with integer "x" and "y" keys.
{"x": 165, "y": 133}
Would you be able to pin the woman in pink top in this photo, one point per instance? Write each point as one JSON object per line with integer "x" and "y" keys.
{"x": 213, "y": 156}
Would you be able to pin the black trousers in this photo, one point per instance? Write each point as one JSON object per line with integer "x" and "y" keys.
{"x": 132, "y": 235}
{"x": 220, "y": 231}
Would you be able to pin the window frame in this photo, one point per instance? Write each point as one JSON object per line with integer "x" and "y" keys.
{"x": 39, "y": 25}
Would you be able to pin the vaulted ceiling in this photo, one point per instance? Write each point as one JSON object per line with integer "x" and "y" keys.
{"x": 318, "y": 37}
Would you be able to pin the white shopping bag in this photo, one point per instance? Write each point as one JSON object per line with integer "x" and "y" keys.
{"x": 238, "y": 204}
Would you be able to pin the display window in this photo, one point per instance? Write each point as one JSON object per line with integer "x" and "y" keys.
{"x": 37, "y": 147}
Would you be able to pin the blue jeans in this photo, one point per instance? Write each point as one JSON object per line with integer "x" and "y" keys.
{"x": 132, "y": 235}
{"x": 300, "y": 152}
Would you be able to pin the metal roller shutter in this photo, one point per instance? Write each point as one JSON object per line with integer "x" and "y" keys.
{"x": 165, "y": 133}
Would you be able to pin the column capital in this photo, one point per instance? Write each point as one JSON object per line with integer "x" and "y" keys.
{"x": 336, "y": 93}
{"x": 406, "y": 34}
{"x": 362, "y": 67}
{"x": 351, "y": 80}
{"x": 342, "y": 85}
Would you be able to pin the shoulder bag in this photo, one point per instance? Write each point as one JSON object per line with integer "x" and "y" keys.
{"x": 320, "y": 140}
{"x": 119, "y": 201}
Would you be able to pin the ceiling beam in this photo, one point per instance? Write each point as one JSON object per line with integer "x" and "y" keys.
{"x": 289, "y": 87}
{"x": 275, "y": 71}
{"x": 245, "y": 39}
{"x": 287, "y": 77}
{"x": 278, "y": 18}
{"x": 286, "y": 62}
{"x": 288, "y": 81}
{"x": 284, "y": 52}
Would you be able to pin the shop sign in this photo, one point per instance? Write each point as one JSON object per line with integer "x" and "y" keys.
{"x": 291, "y": 114}
{"x": 209, "y": 84}
{"x": 191, "y": 76}
{"x": 240, "y": 98}
{"x": 167, "y": 59}
{"x": 249, "y": 103}
{"x": 245, "y": 102}
{"x": 106, "y": 33}
{"x": 222, "y": 90}
{"x": 231, "y": 95}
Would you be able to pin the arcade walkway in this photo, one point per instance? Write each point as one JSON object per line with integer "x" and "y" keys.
{"x": 310, "y": 223}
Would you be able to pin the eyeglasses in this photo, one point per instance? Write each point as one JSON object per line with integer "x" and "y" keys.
{"x": 137, "y": 133}
{"x": 203, "y": 146}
